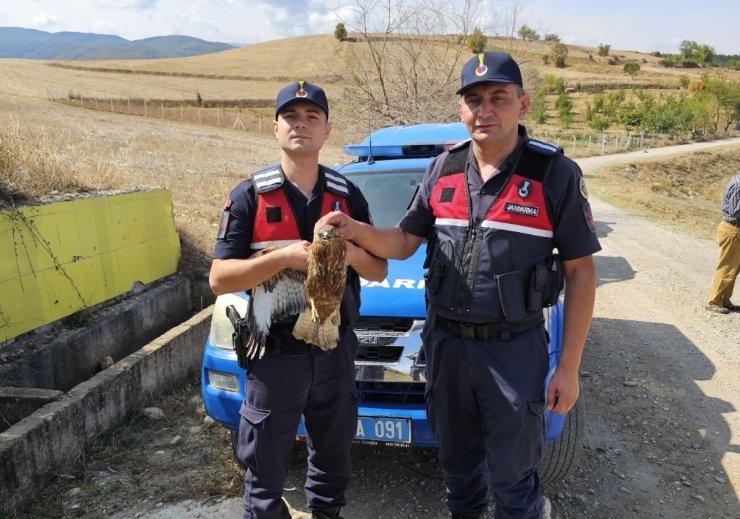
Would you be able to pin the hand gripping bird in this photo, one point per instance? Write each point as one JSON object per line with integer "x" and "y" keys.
{"x": 315, "y": 296}
{"x": 326, "y": 278}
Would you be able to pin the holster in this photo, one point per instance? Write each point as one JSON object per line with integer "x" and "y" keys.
{"x": 546, "y": 283}
{"x": 240, "y": 339}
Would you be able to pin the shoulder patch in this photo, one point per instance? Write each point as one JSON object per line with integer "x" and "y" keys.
{"x": 545, "y": 148}
{"x": 335, "y": 182}
{"x": 582, "y": 188}
{"x": 267, "y": 179}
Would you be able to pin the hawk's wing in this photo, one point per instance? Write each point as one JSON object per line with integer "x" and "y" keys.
{"x": 274, "y": 299}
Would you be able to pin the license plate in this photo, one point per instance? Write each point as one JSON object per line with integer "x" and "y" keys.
{"x": 395, "y": 431}
{"x": 385, "y": 430}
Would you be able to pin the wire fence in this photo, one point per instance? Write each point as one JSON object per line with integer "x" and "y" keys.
{"x": 254, "y": 115}
{"x": 240, "y": 114}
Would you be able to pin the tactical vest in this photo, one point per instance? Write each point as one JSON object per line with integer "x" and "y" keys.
{"x": 500, "y": 268}
{"x": 276, "y": 225}
{"x": 274, "y": 222}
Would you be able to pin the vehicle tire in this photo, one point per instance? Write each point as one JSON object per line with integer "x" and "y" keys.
{"x": 562, "y": 454}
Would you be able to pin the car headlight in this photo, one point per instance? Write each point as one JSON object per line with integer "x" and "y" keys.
{"x": 223, "y": 381}
{"x": 221, "y": 327}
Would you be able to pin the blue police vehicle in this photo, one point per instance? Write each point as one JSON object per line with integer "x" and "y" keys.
{"x": 390, "y": 366}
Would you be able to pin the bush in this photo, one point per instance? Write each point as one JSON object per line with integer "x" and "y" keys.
{"x": 604, "y": 49}
{"x": 631, "y": 68}
{"x": 558, "y": 54}
{"x": 477, "y": 41}
{"x": 340, "y": 32}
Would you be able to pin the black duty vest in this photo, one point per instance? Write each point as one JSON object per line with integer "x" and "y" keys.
{"x": 497, "y": 268}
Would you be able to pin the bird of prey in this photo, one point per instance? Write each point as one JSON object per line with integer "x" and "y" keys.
{"x": 315, "y": 296}
{"x": 326, "y": 279}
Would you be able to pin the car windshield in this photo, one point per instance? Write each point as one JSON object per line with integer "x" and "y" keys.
{"x": 387, "y": 193}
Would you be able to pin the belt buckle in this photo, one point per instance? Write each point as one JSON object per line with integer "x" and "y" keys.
{"x": 466, "y": 331}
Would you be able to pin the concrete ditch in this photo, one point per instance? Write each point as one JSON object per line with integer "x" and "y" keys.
{"x": 93, "y": 400}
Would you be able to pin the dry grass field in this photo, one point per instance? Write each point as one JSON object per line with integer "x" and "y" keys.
{"x": 57, "y": 146}
{"x": 51, "y": 147}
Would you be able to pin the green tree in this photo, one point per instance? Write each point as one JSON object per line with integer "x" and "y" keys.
{"x": 552, "y": 37}
{"x": 684, "y": 81}
{"x": 558, "y": 54}
{"x": 527, "y": 33}
{"x": 631, "y": 68}
{"x": 340, "y": 32}
{"x": 604, "y": 49}
{"x": 538, "y": 106}
{"x": 564, "y": 106}
{"x": 477, "y": 41}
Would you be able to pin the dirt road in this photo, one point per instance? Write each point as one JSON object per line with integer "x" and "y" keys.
{"x": 659, "y": 378}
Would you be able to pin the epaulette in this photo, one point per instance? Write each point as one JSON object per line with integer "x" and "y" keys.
{"x": 335, "y": 182}
{"x": 460, "y": 145}
{"x": 545, "y": 148}
{"x": 267, "y": 179}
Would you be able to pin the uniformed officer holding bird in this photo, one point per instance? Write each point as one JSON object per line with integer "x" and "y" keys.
{"x": 312, "y": 375}
{"x": 493, "y": 209}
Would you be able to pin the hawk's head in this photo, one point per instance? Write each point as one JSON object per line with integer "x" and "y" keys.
{"x": 328, "y": 233}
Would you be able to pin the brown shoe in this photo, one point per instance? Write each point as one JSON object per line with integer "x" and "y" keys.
{"x": 717, "y": 309}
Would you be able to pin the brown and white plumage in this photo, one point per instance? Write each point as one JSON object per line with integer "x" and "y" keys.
{"x": 276, "y": 298}
{"x": 326, "y": 279}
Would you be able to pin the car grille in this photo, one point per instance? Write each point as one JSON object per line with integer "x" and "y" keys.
{"x": 391, "y": 392}
{"x": 387, "y": 326}
{"x": 378, "y": 353}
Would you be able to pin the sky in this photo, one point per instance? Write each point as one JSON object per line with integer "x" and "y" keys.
{"x": 646, "y": 25}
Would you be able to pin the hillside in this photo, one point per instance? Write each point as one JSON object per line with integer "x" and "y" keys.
{"x": 16, "y": 42}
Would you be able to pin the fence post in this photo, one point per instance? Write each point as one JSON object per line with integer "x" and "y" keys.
{"x": 82, "y": 101}
{"x": 145, "y": 108}
{"x": 574, "y": 146}
{"x": 588, "y": 151}
{"x": 128, "y": 102}
{"x": 161, "y": 105}
{"x": 259, "y": 123}
{"x": 603, "y": 142}
{"x": 180, "y": 113}
{"x": 111, "y": 103}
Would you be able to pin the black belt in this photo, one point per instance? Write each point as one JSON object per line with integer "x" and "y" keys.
{"x": 736, "y": 224}
{"x": 482, "y": 331}
{"x": 288, "y": 346}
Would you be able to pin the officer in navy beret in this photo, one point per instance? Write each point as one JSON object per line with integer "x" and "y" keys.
{"x": 277, "y": 206}
{"x": 493, "y": 210}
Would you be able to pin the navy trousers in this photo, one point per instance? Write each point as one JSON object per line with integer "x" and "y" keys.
{"x": 280, "y": 388}
{"x": 485, "y": 402}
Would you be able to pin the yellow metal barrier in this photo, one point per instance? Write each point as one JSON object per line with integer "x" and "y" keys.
{"x": 60, "y": 258}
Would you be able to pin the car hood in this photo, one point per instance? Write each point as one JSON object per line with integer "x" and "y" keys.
{"x": 401, "y": 294}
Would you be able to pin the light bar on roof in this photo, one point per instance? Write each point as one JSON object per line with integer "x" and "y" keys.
{"x": 364, "y": 150}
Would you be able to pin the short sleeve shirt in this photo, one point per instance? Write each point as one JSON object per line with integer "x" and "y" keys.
{"x": 573, "y": 230}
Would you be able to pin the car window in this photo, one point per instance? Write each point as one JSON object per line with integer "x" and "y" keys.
{"x": 387, "y": 193}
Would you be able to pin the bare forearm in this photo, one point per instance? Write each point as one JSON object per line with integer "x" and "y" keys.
{"x": 234, "y": 275}
{"x": 389, "y": 242}
{"x": 578, "y": 309}
{"x": 365, "y": 264}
